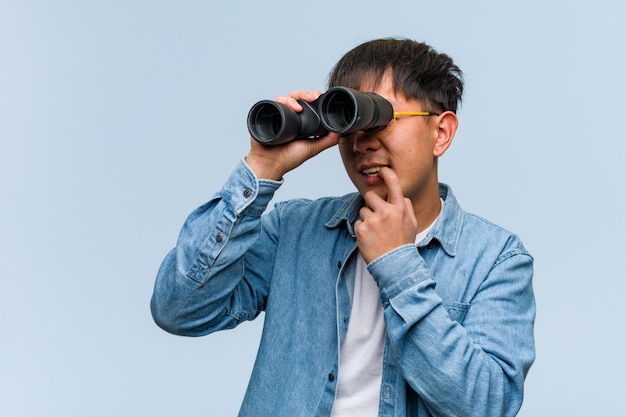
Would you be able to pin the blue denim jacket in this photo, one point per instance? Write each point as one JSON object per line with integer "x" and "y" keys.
{"x": 459, "y": 309}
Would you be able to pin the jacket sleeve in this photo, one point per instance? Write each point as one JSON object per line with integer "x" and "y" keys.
{"x": 205, "y": 283}
{"x": 474, "y": 369}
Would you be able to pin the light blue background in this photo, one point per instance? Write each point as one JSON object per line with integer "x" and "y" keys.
{"x": 117, "y": 118}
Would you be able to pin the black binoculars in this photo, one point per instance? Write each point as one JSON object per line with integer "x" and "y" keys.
{"x": 340, "y": 110}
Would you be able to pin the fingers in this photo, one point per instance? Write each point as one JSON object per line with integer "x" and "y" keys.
{"x": 322, "y": 143}
{"x": 292, "y": 98}
{"x": 394, "y": 190}
{"x": 395, "y": 195}
{"x": 384, "y": 225}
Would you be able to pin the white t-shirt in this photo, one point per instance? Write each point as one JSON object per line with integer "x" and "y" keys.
{"x": 361, "y": 356}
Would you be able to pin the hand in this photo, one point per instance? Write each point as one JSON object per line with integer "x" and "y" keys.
{"x": 385, "y": 225}
{"x": 274, "y": 161}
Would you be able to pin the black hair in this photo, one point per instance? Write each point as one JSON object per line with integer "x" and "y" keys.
{"x": 417, "y": 71}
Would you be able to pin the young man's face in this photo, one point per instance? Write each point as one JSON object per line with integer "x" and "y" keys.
{"x": 410, "y": 148}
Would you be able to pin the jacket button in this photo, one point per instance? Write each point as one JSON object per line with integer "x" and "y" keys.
{"x": 219, "y": 237}
{"x": 247, "y": 193}
{"x": 331, "y": 377}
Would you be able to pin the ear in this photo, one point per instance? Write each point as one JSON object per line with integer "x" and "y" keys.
{"x": 447, "y": 122}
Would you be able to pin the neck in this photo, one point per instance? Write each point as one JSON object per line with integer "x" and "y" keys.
{"x": 427, "y": 207}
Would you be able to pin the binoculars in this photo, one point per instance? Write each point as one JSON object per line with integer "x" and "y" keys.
{"x": 340, "y": 110}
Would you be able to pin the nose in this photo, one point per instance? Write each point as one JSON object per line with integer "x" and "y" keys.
{"x": 363, "y": 142}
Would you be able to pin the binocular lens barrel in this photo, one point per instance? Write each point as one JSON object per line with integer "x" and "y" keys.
{"x": 344, "y": 110}
{"x": 271, "y": 122}
{"x": 340, "y": 109}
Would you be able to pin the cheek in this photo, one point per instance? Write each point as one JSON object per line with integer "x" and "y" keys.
{"x": 345, "y": 151}
{"x": 413, "y": 165}
{"x": 417, "y": 152}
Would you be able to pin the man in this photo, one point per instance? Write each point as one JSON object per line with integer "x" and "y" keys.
{"x": 389, "y": 301}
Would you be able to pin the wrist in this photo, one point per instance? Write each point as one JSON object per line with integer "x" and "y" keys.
{"x": 264, "y": 168}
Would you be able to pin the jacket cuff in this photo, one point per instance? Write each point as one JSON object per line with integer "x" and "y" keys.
{"x": 246, "y": 194}
{"x": 398, "y": 270}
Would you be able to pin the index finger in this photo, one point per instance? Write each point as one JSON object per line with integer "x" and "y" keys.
{"x": 292, "y": 98}
{"x": 394, "y": 190}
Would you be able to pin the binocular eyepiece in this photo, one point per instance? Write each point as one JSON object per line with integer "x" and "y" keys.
{"x": 340, "y": 110}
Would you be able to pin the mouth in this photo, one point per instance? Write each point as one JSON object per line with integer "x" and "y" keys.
{"x": 371, "y": 171}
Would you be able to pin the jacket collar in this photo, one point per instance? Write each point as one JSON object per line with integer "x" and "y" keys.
{"x": 347, "y": 212}
{"x": 446, "y": 231}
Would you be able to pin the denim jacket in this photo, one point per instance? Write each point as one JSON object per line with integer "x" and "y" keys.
{"x": 459, "y": 307}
